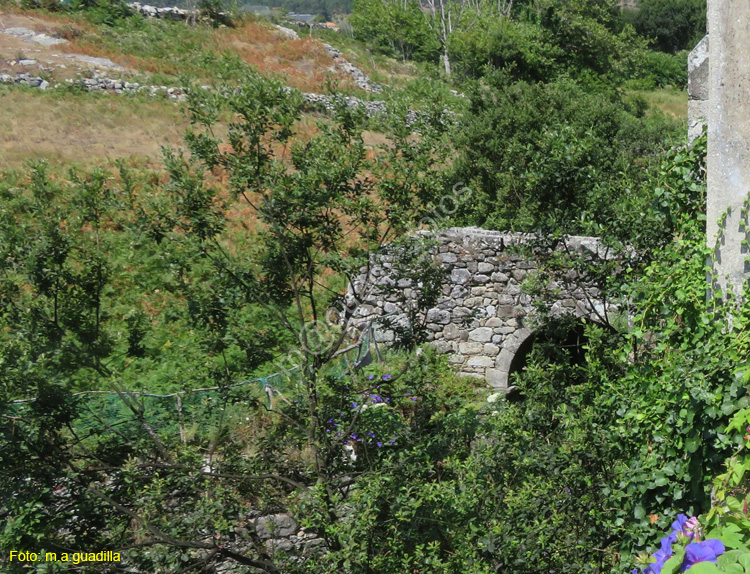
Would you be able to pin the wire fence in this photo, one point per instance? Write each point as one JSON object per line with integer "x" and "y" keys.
{"x": 189, "y": 412}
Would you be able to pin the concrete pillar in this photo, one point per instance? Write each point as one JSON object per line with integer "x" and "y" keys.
{"x": 729, "y": 143}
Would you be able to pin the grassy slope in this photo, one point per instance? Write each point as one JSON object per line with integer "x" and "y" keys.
{"x": 84, "y": 129}
{"x": 672, "y": 102}
{"x": 92, "y": 129}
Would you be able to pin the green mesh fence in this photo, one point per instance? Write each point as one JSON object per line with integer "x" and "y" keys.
{"x": 186, "y": 413}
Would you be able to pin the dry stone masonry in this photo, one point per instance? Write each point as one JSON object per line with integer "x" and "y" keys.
{"x": 483, "y": 315}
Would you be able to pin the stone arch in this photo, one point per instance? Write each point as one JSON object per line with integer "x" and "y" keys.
{"x": 510, "y": 348}
{"x": 514, "y": 355}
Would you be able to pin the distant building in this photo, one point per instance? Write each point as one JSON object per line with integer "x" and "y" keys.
{"x": 308, "y": 19}
{"x": 627, "y": 4}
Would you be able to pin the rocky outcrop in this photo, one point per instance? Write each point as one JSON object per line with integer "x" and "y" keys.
{"x": 166, "y": 13}
{"x": 31, "y": 36}
{"x": 287, "y": 32}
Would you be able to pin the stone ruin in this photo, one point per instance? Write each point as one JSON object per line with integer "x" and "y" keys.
{"x": 483, "y": 316}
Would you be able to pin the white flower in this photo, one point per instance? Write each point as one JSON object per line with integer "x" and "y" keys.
{"x": 494, "y": 397}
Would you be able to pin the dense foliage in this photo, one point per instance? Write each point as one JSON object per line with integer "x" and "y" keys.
{"x": 673, "y": 25}
{"x": 231, "y": 264}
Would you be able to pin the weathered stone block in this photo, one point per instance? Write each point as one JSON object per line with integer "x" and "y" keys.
{"x": 481, "y": 362}
{"x": 450, "y": 332}
{"x": 490, "y": 349}
{"x": 496, "y": 379}
{"x": 470, "y": 348}
{"x": 698, "y": 68}
{"x": 470, "y": 375}
{"x": 504, "y": 331}
{"x": 456, "y": 359}
{"x": 384, "y": 336}
{"x": 436, "y": 315}
{"x": 503, "y": 361}
{"x": 459, "y": 292}
{"x": 275, "y": 526}
{"x": 461, "y": 312}
{"x": 505, "y": 311}
{"x": 485, "y": 267}
{"x": 443, "y": 346}
{"x": 513, "y": 289}
{"x": 481, "y": 335}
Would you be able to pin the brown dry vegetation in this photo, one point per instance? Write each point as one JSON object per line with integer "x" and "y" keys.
{"x": 84, "y": 129}
{"x": 302, "y": 64}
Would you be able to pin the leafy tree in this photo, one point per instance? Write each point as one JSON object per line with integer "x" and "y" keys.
{"x": 673, "y": 25}
{"x": 397, "y": 28}
{"x": 317, "y": 219}
{"x": 551, "y": 157}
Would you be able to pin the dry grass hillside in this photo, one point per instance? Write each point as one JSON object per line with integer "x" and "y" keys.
{"x": 65, "y": 126}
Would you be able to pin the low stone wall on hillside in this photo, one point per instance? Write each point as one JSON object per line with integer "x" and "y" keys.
{"x": 483, "y": 315}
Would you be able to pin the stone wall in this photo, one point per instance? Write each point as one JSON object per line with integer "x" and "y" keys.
{"x": 483, "y": 315}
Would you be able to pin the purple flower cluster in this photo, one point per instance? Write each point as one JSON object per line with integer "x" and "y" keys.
{"x": 358, "y": 415}
{"x": 695, "y": 552}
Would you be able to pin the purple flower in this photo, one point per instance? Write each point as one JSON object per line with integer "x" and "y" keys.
{"x": 386, "y": 377}
{"x": 379, "y": 443}
{"x": 354, "y": 405}
{"x": 678, "y": 526}
{"x": 707, "y": 551}
{"x": 662, "y": 555}
{"x": 371, "y": 377}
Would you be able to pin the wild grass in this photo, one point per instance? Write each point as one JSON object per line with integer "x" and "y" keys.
{"x": 85, "y": 129}
{"x": 670, "y": 101}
